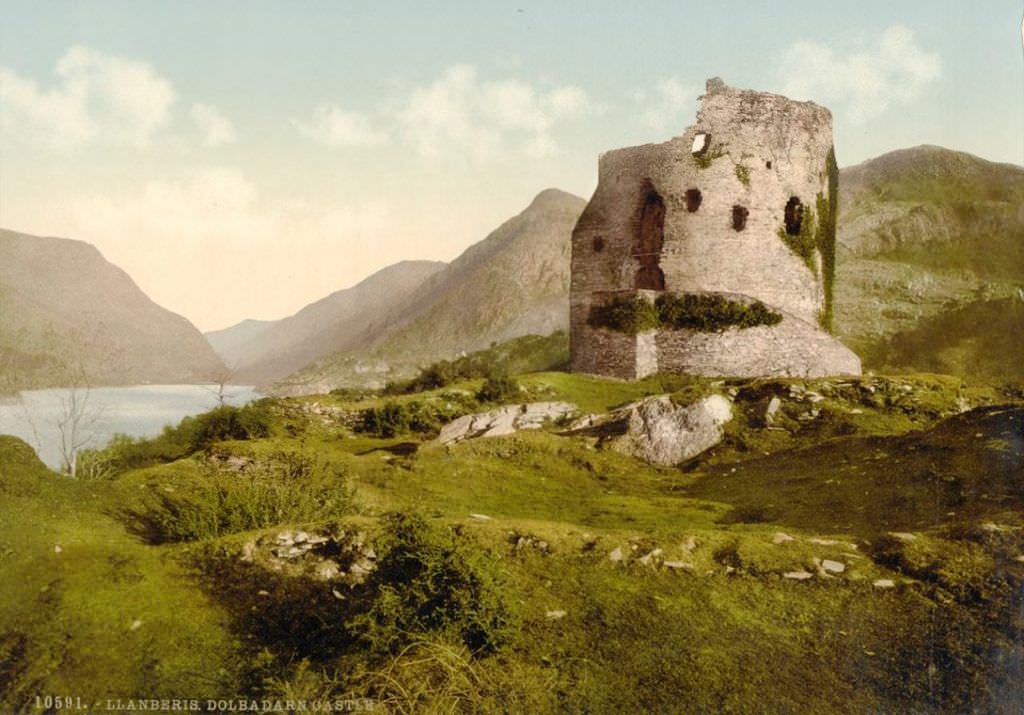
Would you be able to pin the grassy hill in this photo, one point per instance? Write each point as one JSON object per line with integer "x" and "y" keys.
{"x": 924, "y": 232}
{"x": 535, "y": 572}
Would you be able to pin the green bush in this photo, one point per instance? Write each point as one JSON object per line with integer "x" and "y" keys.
{"x": 625, "y": 315}
{"x": 498, "y": 388}
{"x": 285, "y": 488}
{"x": 690, "y": 311}
{"x": 191, "y": 435}
{"x": 394, "y": 418}
{"x": 429, "y": 580}
{"x": 707, "y": 313}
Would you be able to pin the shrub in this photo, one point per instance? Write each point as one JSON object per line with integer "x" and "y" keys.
{"x": 285, "y": 488}
{"x": 625, "y": 315}
{"x": 430, "y": 580}
{"x": 709, "y": 313}
{"x": 498, "y": 388}
{"x": 191, "y": 435}
{"x": 394, "y": 418}
{"x": 690, "y": 311}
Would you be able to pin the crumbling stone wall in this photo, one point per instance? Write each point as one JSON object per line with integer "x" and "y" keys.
{"x": 715, "y": 198}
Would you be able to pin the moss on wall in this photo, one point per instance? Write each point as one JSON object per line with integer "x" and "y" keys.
{"x": 825, "y": 237}
{"x": 689, "y": 311}
{"x": 805, "y": 242}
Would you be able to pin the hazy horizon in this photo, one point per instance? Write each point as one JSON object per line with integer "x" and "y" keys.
{"x": 244, "y": 165}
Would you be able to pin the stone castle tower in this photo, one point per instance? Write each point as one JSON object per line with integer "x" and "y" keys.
{"x": 713, "y": 253}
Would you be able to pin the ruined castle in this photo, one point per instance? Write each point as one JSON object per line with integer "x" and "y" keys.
{"x": 714, "y": 252}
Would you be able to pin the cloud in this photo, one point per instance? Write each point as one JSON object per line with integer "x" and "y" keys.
{"x": 336, "y": 127}
{"x": 460, "y": 113}
{"x": 95, "y": 98}
{"x": 215, "y": 127}
{"x": 671, "y": 104}
{"x": 894, "y": 70}
{"x": 210, "y": 244}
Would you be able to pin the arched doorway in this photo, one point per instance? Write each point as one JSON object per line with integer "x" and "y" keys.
{"x": 650, "y": 238}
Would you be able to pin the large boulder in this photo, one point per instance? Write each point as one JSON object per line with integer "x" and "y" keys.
{"x": 661, "y": 432}
{"x": 504, "y": 421}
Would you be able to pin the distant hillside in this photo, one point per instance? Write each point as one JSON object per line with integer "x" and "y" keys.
{"x": 340, "y": 321}
{"x": 924, "y": 232}
{"x": 227, "y": 341}
{"x": 514, "y": 282}
{"x": 67, "y": 313}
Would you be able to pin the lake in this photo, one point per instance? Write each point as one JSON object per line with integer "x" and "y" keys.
{"x": 139, "y": 411}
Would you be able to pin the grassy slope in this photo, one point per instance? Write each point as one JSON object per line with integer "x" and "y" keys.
{"x": 727, "y": 634}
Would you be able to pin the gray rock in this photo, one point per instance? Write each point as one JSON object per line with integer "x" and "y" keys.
{"x": 648, "y": 558}
{"x": 769, "y": 413}
{"x": 884, "y": 583}
{"x": 660, "y": 432}
{"x": 616, "y": 554}
{"x": 677, "y": 565}
{"x": 798, "y": 575}
{"x": 555, "y": 615}
{"x": 503, "y": 421}
{"x": 830, "y": 566}
{"x": 781, "y": 538}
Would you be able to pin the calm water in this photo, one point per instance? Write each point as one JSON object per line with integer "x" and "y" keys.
{"x": 139, "y": 411}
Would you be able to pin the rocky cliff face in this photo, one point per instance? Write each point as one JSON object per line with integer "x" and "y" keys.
{"x": 67, "y": 314}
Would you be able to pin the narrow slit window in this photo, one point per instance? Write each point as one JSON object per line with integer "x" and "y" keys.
{"x": 693, "y": 199}
{"x": 794, "y": 215}
{"x": 739, "y": 217}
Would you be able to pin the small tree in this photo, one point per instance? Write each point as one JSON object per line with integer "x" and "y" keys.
{"x": 76, "y": 420}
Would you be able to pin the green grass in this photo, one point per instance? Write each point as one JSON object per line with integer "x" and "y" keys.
{"x": 466, "y": 612}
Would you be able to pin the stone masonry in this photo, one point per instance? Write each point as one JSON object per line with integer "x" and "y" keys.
{"x": 715, "y": 210}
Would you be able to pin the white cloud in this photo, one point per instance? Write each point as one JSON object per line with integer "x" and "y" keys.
{"x": 336, "y": 127}
{"x": 670, "y": 105}
{"x": 866, "y": 82}
{"x": 460, "y": 113}
{"x": 95, "y": 98}
{"x": 215, "y": 127}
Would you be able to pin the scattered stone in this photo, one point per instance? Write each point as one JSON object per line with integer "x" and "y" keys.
{"x": 904, "y": 536}
{"x": 555, "y": 615}
{"x": 328, "y": 570}
{"x": 648, "y": 558}
{"x": 248, "y": 550}
{"x": 479, "y": 517}
{"x": 1019, "y": 558}
{"x": 814, "y": 397}
{"x": 285, "y": 538}
{"x": 798, "y": 575}
{"x": 823, "y": 542}
{"x": 616, "y": 554}
{"x": 262, "y": 593}
{"x": 301, "y": 537}
{"x": 773, "y": 407}
{"x": 781, "y": 538}
{"x": 856, "y": 411}
{"x": 57, "y": 549}
{"x": 833, "y": 566}
{"x": 337, "y": 594}
{"x": 884, "y": 583}
{"x": 136, "y": 625}
{"x": 677, "y": 565}
{"x": 503, "y": 421}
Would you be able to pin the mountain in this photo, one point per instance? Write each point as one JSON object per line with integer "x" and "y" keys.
{"x": 514, "y": 282}
{"x": 924, "y": 234}
{"x": 227, "y": 341}
{"x": 343, "y": 319}
{"x": 68, "y": 315}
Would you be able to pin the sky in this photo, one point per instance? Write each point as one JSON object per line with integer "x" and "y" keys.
{"x": 243, "y": 159}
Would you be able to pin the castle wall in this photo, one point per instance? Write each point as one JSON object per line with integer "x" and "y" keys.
{"x": 762, "y": 150}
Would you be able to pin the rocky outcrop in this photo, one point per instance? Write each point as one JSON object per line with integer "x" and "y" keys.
{"x": 660, "y": 432}
{"x": 503, "y": 421}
